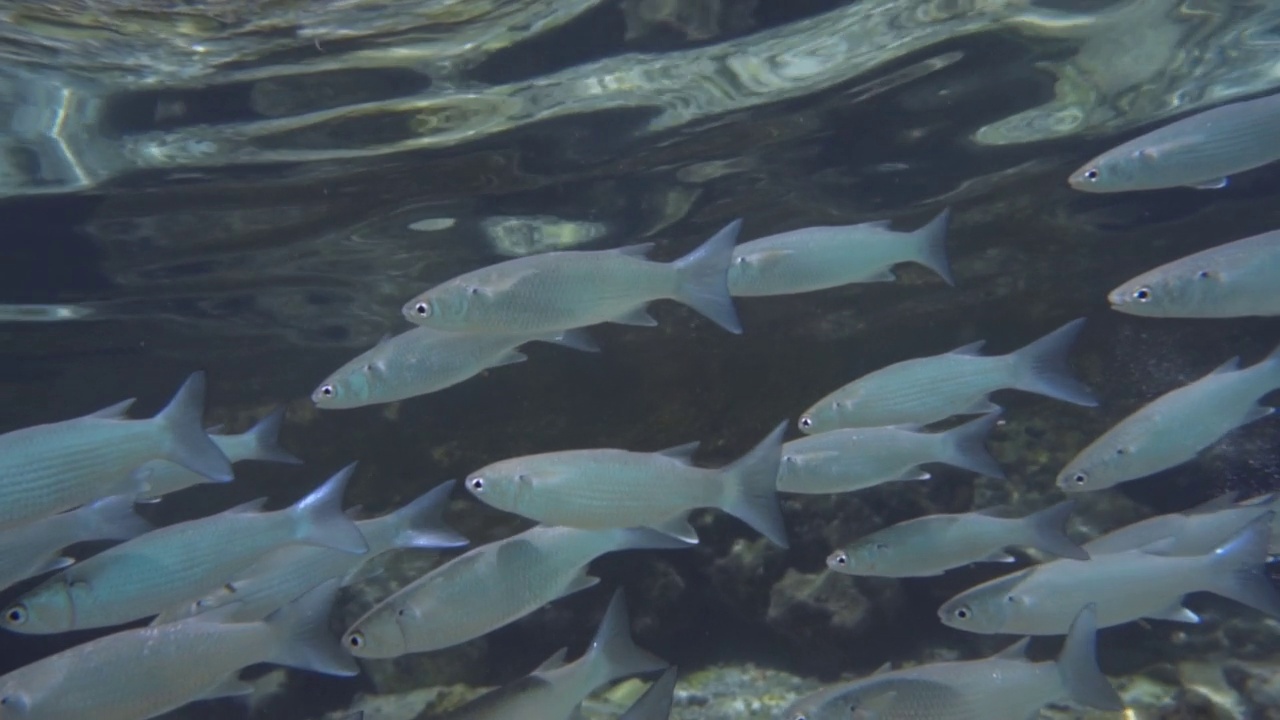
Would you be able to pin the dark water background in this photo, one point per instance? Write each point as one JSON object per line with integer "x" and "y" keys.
{"x": 272, "y": 241}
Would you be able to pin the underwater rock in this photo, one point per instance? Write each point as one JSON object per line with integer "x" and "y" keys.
{"x": 823, "y": 615}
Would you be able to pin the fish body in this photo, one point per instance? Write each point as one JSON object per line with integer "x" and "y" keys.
{"x": 818, "y": 258}
{"x": 553, "y": 291}
{"x": 490, "y": 586}
{"x": 1200, "y": 151}
{"x": 32, "y": 548}
{"x": 1175, "y": 427}
{"x": 260, "y": 442}
{"x": 1238, "y": 279}
{"x": 1194, "y": 532}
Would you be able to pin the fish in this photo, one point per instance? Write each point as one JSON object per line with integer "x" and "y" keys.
{"x": 148, "y": 671}
{"x": 490, "y": 586}
{"x": 1126, "y": 586}
{"x": 818, "y": 258}
{"x": 285, "y": 573}
{"x": 555, "y": 689}
{"x": 851, "y": 459}
{"x": 1175, "y": 427}
{"x": 32, "y": 549}
{"x": 424, "y": 360}
{"x": 655, "y": 703}
{"x": 575, "y": 288}
{"x": 260, "y": 442}
{"x": 1238, "y": 279}
{"x": 1194, "y": 532}
{"x": 1006, "y": 685}
{"x": 1200, "y": 151}
{"x": 933, "y": 544}
{"x": 163, "y": 568}
{"x": 924, "y": 390}
{"x": 49, "y": 468}
{"x": 608, "y": 488}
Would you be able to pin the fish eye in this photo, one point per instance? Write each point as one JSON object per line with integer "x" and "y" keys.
{"x": 422, "y": 309}
{"x": 1203, "y": 274}
{"x": 962, "y": 612}
{"x": 1080, "y": 478}
{"x": 328, "y": 391}
{"x": 1091, "y": 174}
{"x": 16, "y": 615}
{"x": 1011, "y": 598}
{"x": 356, "y": 640}
{"x": 476, "y": 484}
{"x": 806, "y": 422}
{"x": 840, "y": 558}
{"x": 1142, "y": 294}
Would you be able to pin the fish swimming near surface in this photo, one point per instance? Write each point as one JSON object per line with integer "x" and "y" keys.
{"x": 924, "y": 390}
{"x": 1201, "y": 151}
{"x": 1175, "y": 427}
{"x": 818, "y": 258}
{"x": 1238, "y": 279}
{"x": 571, "y": 289}
{"x": 32, "y": 549}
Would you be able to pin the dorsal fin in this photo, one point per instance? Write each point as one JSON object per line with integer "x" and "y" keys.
{"x": 250, "y": 507}
{"x": 682, "y": 452}
{"x": 113, "y": 412}
{"x": 1016, "y": 651}
{"x": 973, "y": 348}
{"x": 638, "y": 250}
{"x": 555, "y": 661}
{"x": 1231, "y": 365}
{"x": 1222, "y": 502}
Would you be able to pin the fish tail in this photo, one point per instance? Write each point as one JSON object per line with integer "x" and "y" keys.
{"x": 111, "y": 518}
{"x": 319, "y": 519}
{"x": 1045, "y": 530}
{"x": 1239, "y": 567}
{"x": 702, "y": 278}
{"x": 931, "y": 246}
{"x": 575, "y": 339}
{"x": 964, "y": 446}
{"x": 187, "y": 443}
{"x": 264, "y": 439}
{"x": 1041, "y": 367}
{"x": 751, "y": 488}
{"x": 421, "y": 524}
{"x": 1078, "y": 664}
{"x": 302, "y": 634}
{"x": 613, "y": 654}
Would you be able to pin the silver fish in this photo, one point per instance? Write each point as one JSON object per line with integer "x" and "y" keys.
{"x": 858, "y": 458}
{"x": 818, "y": 258}
{"x": 1175, "y": 427}
{"x": 50, "y": 468}
{"x": 554, "y": 690}
{"x": 605, "y": 488}
{"x": 655, "y": 703}
{"x": 142, "y": 673}
{"x": 571, "y": 289}
{"x": 424, "y": 360}
{"x": 32, "y": 549}
{"x": 1005, "y": 686}
{"x": 490, "y": 586}
{"x": 152, "y": 573}
{"x": 1238, "y": 279}
{"x": 1125, "y": 585}
{"x": 925, "y": 390}
{"x": 1194, "y": 532}
{"x": 1200, "y": 151}
{"x": 933, "y": 544}
{"x": 260, "y": 442}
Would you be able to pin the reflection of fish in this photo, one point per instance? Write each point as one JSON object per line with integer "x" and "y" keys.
{"x": 817, "y": 258}
{"x": 1199, "y": 151}
{"x": 31, "y": 549}
{"x": 1001, "y": 687}
{"x": 260, "y": 442}
{"x": 1238, "y": 279}
{"x": 655, "y": 703}
{"x": 1175, "y": 427}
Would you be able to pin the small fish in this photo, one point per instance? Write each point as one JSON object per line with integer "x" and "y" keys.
{"x": 1175, "y": 427}
{"x": 424, "y": 360}
{"x": 858, "y": 458}
{"x": 655, "y": 703}
{"x": 933, "y": 544}
{"x": 163, "y": 568}
{"x": 1125, "y": 585}
{"x": 606, "y": 488}
{"x": 818, "y": 258}
{"x": 489, "y": 587}
{"x": 1239, "y": 279}
{"x": 284, "y": 574}
{"x": 1201, "y": 151}
{"x": 260, "y": 442}
{"x": 571, "y": 289}
{"x": 142, "y": 673}
{"x": 1005, "y": 686}
{"x": 32, "y": 549}
{"x": 554, "y": 690}
{"x": 924, "y": 390}
{"x": 50, "y": 468}
{"x": 1194, "y": 532}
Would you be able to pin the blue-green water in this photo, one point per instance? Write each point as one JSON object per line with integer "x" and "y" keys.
{"x": 254, "y": 189}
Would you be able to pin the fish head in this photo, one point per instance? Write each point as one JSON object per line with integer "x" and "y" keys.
{"x": 1169, "y": 291}
{"x": 380, "y": 633}
{"x": 450, "y": 305}
{"x": 500, "y": 485}
{"x": 824, "y": 415}
{"x": 1099, "y": 466}
{"x": 987, "y": 608}
{"x": 48, "y": 608}
{"x": 14, "y": 702}
{"x": 351, "y": 386}
{"x": 1114, "y": 171}
{"x": 868, "y": 556}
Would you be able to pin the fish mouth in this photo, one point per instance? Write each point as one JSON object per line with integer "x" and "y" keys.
{"x": 1116, "y": 297}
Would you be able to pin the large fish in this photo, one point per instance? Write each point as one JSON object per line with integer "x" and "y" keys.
{"x": 142, "y": 673}
{"x": 1200, "y": 151}
{"x": 546, "y": 293}
{"x": 490, "y": 586}
{"x": 924, "y": 390}
{"x": 157, "y": 571}
{"x": 1175, "y": 427}
{"x": 606, "y": 488}
{"x": 50, "y": 468}
{"x": 818, "y": 258}
{"x": 1239, "y": 279}
{"x": 32, "y": 548}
